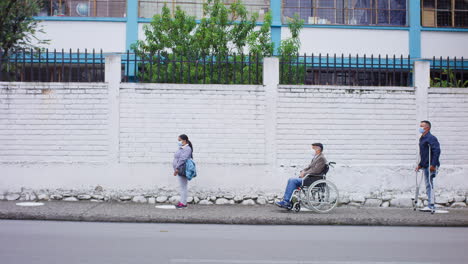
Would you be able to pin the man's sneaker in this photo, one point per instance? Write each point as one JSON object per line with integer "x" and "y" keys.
{"x": 181, "y": 206}
{"x": 283, "y": 204}
{"x": 425, "y": 209}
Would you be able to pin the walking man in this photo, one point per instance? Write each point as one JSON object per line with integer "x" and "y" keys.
{"x": 429, "y": 151}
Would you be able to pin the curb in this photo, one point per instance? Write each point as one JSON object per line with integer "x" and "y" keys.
{"x": 241, "y": 215}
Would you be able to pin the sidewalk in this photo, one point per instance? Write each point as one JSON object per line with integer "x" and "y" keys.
{"x": 228, "y": 214}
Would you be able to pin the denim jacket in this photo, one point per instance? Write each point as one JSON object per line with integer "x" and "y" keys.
{"x": 424, "y": 143}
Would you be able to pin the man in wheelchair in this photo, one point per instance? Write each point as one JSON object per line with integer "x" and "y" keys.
{"x": 316, "y": 167}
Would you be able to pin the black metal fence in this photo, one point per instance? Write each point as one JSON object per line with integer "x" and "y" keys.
{"x": 193, "y": 68}
{"x": 449, "y": 72}
{"x": 88, "y": 66}
{"x": 346, "y": 70}
{"x": 52, "y": 66}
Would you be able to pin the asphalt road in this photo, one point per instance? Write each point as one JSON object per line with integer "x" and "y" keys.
{"x": 86, "y": 242}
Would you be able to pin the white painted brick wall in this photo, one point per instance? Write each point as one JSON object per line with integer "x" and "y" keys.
{"x": 448, "y": 113}
{"x": 123, "y": 136}
{"x": 225, "y": 123}
{"x": 53, "y": 122}
{"x": 357, "y": 125}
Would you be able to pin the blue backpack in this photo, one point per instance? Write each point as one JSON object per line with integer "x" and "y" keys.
{"x": 190, "y": 169}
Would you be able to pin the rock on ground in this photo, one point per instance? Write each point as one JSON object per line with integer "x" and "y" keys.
{"x": 344, "y": 200}
{"x": 12, "y": 196}
{"x": 161, "y": 199}
{"x": 373, "y": 203}
{"x": 401, "y": 202}
{"x": 32, "y": 197}
{"x": 205, "y": 202}
{"x": 458, "y": 205}
{"x": 84, "y": 197}
{"x": 238, "y": 199}
{"x": 250, "y": 197}
{"x": 98, "y": 197}
{"x": 125, "y": 198}
{"x": 174, "y": 199}
{"x": 222, "y": 201}
{"x": 443, "y": 200}
{"x": 70, "y": 199}
{"x": 248, "y": 202}
{"x": 56, "y": 197}
{"x": 139, "y": 199}
{"x": 43, "y": 197}
{"x": 151, "y": 200}
{"x": 387, "y": 197}
{"x": 262, "y": 200}
{"x": 358, "y": 199}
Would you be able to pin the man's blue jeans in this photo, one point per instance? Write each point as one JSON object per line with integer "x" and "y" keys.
{"x": 293, "y": 183}
{"x": 429, "y": 179}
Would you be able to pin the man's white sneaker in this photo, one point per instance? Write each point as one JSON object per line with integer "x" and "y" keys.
{"x": 425, "y": 209}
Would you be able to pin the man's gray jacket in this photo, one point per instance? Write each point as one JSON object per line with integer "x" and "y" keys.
{"x": 316, "y": 166}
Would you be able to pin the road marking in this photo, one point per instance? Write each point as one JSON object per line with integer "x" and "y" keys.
{"x": 165, "y": 206}
{"x": 29, "y": 204}
{"x": 288, "y": 261}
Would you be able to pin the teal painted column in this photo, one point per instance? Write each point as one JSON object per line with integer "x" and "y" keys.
{"x": 131, "y": 35}
{"x": 415, "y": 28}
{"x": 275, "y": 7}
{"x": 132, "y": 23}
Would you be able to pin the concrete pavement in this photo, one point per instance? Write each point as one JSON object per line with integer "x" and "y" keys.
{"x": 229, "y": 214}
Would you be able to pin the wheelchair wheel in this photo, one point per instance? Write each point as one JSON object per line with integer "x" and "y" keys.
{"x": 297, "y": 207}
{"x": 294, "y": 200}
{"x": 323, "y": 196}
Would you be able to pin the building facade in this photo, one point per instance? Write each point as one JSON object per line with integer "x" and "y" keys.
{"x": 419, "y": 28}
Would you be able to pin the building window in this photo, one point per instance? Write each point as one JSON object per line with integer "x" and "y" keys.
{"x": 149, "y": 8}
{"x": 444, "y": 13}
{"x": 80, "y": 8}
{"x": 348, "y": 12}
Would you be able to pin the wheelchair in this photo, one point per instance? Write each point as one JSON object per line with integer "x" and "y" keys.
{"x": 316, "y": 193}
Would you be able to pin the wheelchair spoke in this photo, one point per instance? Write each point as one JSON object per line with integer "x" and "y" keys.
{"x": 322, "y": 196}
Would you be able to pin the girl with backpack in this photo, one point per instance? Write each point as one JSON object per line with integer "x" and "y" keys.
{"x": 180, "y": 158}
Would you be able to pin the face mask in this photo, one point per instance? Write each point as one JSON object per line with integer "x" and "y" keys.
{"x": 421, "y": 130}
{"x": 179, "y": 143}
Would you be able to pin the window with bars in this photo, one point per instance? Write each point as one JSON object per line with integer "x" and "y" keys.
{"x": 149, "y": 8}
{"x": 348, "y": 12}
{"x": 444, "y": 13}
{"x": 80, "y": 8}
